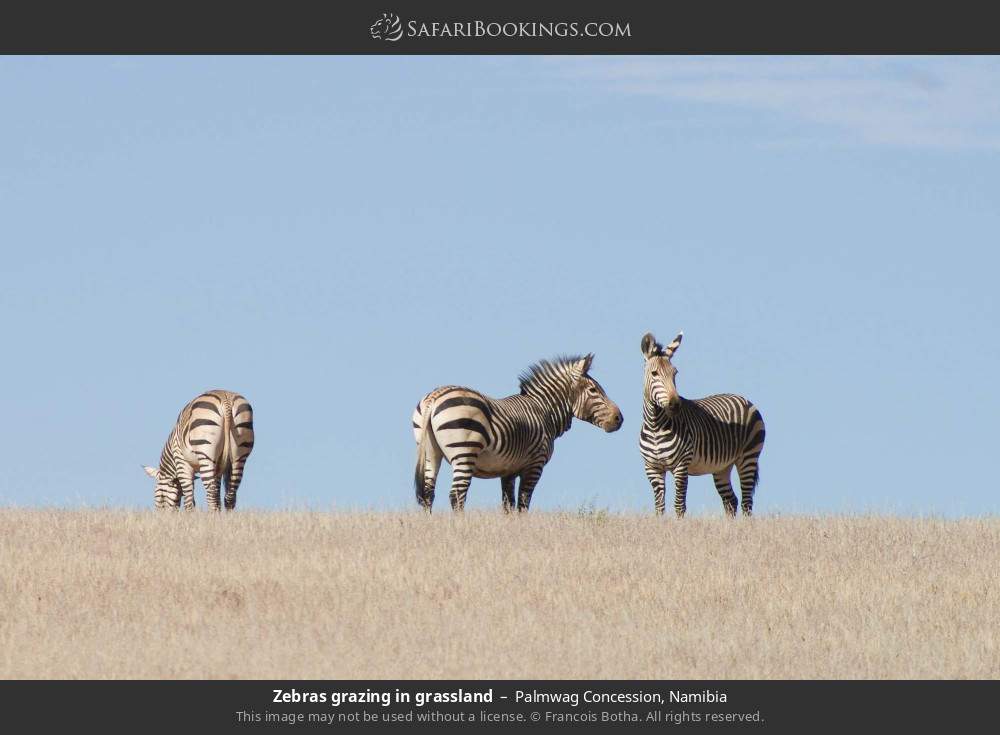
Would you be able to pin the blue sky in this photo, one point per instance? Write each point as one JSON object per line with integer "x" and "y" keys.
{"x": 333, "y": 237}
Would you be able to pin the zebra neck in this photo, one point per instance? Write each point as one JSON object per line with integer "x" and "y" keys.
{"x": 556, "y": 415}
{"x": 168, "y": 469}
{"x": 656, "y": 418}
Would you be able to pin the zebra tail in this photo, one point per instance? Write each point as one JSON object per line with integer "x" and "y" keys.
{"x": 426, "y": 437}
{"x": 228, "y": 439}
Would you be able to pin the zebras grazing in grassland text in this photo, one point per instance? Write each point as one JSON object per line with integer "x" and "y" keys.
{"x": 213, "y": 437}
{"x": 705, "y": 436}
{"x": 508, "y": 438}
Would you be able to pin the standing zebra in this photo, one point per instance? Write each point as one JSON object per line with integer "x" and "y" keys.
{"x": 507, "y": 438}
{"x": 213, "y": 437}
{"x": 696, "y": 437}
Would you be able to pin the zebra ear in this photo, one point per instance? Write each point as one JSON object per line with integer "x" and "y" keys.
{"x": 152, "y": 472}
{"x": 650, "y": 346}
{"x": 672, "y": 347}
{"x": 583, "y": 366}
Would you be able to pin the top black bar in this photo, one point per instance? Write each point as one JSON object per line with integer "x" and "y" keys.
{"x": 510, "y": 27}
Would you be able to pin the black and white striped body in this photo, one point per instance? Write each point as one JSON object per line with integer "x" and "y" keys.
{"x": 704, "y": 436}
{"x": 212, "y": 438}
{"x": 509, "y": 438}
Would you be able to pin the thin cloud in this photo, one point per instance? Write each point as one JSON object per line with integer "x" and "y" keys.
{"x": 910, "y": 102}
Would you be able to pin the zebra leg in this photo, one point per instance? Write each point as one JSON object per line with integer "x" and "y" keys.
{"x": 657, "y": 480}
{"x": 209, "y": 478}
{"x": 725, "y": 488}
{"x": 749, "y": 474}
{"x": 680, "y": 491}
{"x": 243, "y": 439}
{"x": 175, "y": 500}
{"x": 229, "y": 494}
{"x": 507, "y": 486}
{"x": 463, "y": 467}
{"x": 185, "y": 481}
{"x": 231, "y": 481}
{"x": 230, "y": 485}
{"x": 460, "y": 479}
{"x": 529, "y": 478}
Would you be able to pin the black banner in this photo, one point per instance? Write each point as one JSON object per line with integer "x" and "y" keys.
{"x": 234, "y": 706}
{"x": 513, "y": 27}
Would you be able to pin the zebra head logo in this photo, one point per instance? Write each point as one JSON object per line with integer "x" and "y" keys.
{"x": 660, "y": 381}
{"x": 387, "y": 28}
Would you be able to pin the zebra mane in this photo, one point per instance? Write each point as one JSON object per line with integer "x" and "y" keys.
{"x": 548, "y": 375}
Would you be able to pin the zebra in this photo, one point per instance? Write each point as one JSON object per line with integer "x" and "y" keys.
{"x": 510, "y": 437}
{"x": 696, "y": 437}
{"x": 213, "y": 437}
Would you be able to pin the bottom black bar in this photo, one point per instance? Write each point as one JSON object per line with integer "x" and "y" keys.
{"x": 244, "y": 706}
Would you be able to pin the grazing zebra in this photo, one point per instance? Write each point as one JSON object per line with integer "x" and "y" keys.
{"x": 705, "y": 436}
{"x": 507, "y": 438}
{"x": 213, "y": 437}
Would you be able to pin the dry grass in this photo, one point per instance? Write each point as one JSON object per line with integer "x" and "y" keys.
{"x": 314, "y": 595}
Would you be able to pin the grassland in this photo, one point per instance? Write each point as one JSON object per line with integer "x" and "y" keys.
{"x": 315, "y": 595}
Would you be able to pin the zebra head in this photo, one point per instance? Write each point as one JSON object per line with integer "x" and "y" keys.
{"x": 565, "y": 383}
{"x": 165, "y": 487}
{"x": 592, "y": 403}
{"x": 660, "y": 387}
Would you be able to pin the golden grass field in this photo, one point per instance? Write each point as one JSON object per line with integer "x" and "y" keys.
{"x": 105, "y": 593}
